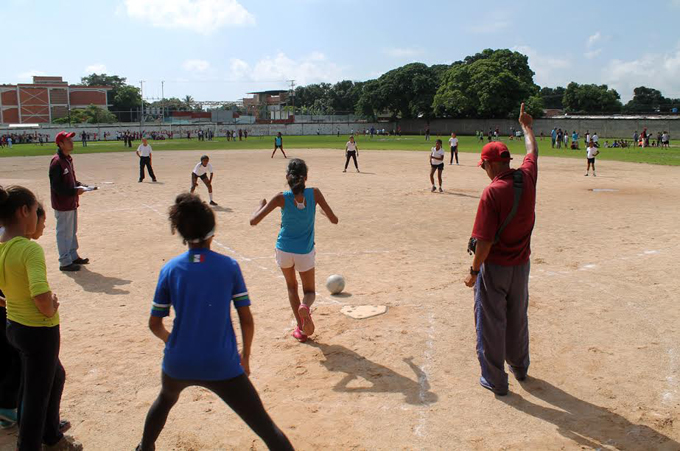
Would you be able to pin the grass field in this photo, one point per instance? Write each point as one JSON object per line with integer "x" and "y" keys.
{"x": 467, "y": 144}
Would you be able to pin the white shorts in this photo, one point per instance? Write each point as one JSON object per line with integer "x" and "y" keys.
{"x": 301, "y": 262}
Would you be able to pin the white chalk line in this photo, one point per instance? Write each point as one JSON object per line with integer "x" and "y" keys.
{"x": 423, "y": 379}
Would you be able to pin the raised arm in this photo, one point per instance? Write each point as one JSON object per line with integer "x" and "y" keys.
{"x": 266, "y": 207}
{"x": 527, "y": 122}
{"x": 324, "y": 206}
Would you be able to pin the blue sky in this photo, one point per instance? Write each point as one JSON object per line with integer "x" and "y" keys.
{"x": 222, "y": 49}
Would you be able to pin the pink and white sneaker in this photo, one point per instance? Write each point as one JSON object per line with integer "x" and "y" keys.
{"x": 299, "y": 336}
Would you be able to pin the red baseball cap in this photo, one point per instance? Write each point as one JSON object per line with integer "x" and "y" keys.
{"x": 495, "y": 151}
{"x": 61, "y": 136}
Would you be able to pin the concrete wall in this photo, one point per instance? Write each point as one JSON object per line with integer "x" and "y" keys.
{"x": 606, "y": 128}
{"x": 180, "y": 130}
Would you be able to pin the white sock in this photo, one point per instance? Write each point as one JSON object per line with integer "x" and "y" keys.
{"x": 210, "y": 194}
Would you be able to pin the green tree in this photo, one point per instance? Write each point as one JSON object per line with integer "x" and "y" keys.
{"x": 647, "y": 100}
{"x": 98, "y": 115}
{"x": 552, "y": 97}
{"x": 490, "y": 84}
{"x": 128, "y": 98}
{"x": 591, "y": 99}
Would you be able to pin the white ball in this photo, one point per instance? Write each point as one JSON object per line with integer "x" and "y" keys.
{"x": 335, "y": 284}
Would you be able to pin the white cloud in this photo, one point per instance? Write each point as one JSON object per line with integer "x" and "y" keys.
{"x": 659, "y": 71}
{"x": 28, "y": 75}
{"x": 97, "y": 68}
{"x": 592, "y": 40}
{"x": 201, "y": 16}
{"x": 312, "y": 68}
{"x": 196, "y": 65}
{"x": 549, "y": 71}
{"x": 592, "y": 54}
{"x": 406, "y": 52}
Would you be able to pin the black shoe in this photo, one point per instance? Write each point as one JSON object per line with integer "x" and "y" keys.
{"x": 521, "y": 376}
{"x": 491, "y": 388}
{"x": 70, "y": 268}
{"x": 81, "y": 261}
{"x": 213, "y": 203}
{"x": 154, "y": 180}
{"x": 140, "y": 180}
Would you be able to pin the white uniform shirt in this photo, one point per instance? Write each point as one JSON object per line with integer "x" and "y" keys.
{"x": 453, "y": 142}
{"x": 592, "y": 151}
{"x": 437, "y": 153}
{"x": 144, "y": 151}
{"x": 351, "y": 146}
{"x": 200, "y": 170}
{"x": 595, "y": 138}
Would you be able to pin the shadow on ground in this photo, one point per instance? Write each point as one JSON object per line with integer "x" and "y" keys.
{"x": 382, "y": 379}
{"x": 587, "y": 424}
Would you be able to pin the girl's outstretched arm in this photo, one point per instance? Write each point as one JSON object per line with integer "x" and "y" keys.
{"x": 325, "y": 208}
{"x": 265, "y": 208}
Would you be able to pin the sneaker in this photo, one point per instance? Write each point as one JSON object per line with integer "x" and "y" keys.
{"x": 154, "y": 180}
{"x": 299, "y": 336}
{"x": 81, "y": 261}
{"x": 8, "y": 415}
{"x": 441, "y": 190}
{"x": 586, "y": 174}
{"x": 139, "y": 181}
{"x": 520, "y": 375}
{"x": 434, "y": 188}
{"x": 70, "y": 268}
{"x": 213, "y": 203}
{"x": 67, "y": 443}
{"x": 594, "y": 175}
{"x": 345, "y": 170}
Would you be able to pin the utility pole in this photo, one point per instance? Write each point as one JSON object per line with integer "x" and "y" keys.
{"x": 141, "y": 119}
{"x": 162, "y": 102}
{"x": 292, "y": 94}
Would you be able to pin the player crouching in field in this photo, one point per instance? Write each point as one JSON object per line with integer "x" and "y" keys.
{"x": 295, "y": 244}
{"x": 202, "y": 350}
{"x": 201, "y": 172}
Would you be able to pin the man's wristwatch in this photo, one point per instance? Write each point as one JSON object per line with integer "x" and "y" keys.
{"x": 473, "y": 272}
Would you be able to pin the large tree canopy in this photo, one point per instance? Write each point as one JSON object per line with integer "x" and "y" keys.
{"x": 591, "y": 99}
{"x": 491, "y": 84}
{"x": 122, "y": 98}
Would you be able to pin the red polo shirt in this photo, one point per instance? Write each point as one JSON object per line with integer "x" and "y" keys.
{"x": 513, "y": 248}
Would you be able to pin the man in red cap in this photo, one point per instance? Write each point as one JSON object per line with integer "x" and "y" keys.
{"x": 500, "y": 269}
{"x": 65, "y": 191}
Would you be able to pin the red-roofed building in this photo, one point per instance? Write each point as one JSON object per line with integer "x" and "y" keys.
{"x": 46, "y": 99}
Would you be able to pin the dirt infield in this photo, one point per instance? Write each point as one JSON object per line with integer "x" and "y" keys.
{"x": 605, "y": 342}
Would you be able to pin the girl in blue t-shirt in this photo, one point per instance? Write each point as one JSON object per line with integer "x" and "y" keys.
{"x": 295, "y": 244}
{"x": 201, "y": 350}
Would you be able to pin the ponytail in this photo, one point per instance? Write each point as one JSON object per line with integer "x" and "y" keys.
{"x": 296, "y": 175}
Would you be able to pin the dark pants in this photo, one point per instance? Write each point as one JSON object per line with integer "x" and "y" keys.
{"x": 351, "y": 155}
{"x": 454, "y": 152}
{"x": 42, "y": 384}
{"x": 238, "y": 393}
{"x": 145, "y": 162}
{"x": 501, "y": 302}
{"x": 10, "y": 367}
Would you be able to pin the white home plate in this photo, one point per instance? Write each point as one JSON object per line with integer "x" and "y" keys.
{"x": 363, "y": 311}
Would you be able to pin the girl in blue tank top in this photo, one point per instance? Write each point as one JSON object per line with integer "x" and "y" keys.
{"x": 295, "y": 244}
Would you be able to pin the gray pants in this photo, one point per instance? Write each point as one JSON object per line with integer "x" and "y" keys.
{"x": 501, "y": 302}
{"x": 67, "y": 241}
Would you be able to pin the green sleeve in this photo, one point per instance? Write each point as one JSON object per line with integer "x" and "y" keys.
{"x": 36, "y": 269}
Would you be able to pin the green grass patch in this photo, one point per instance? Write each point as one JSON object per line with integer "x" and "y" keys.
{"x": 651, "y": 155}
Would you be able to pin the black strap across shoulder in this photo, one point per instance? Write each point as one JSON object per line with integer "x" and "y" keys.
{"x": 518, "y": 187}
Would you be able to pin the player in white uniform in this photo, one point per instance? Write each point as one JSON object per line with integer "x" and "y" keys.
{"x": 351, "y": 152}
{"x": 201, "y": 172}
{"x": 436, "y": 159}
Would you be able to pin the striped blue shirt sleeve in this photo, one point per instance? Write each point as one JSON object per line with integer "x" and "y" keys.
{"x": 161, "y": 300}
{"x": 240, "y": 292}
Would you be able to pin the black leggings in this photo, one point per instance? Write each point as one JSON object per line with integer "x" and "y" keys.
{"x": 350, "y": 155}
{"x": 454, "y": 151}
{"x": 238, "y": 393}
{"x": 10, "y": 369}
{"x": 145, "y": 162}
{"x": 41, "y": 386}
